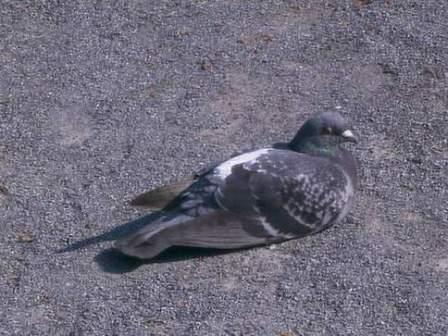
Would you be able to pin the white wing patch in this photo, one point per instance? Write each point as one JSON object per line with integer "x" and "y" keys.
{"x": 271, "y": 230}
{"x": 268, "y": 227}
{"x": 225, "y": 168}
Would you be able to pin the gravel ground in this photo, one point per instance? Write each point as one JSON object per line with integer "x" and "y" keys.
{"x": 101, "y": 100}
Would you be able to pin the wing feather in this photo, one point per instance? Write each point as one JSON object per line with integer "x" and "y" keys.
{"x": 220, "y": 229}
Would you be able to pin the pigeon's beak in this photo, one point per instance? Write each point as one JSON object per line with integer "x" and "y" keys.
{"x": 349, "y": 136}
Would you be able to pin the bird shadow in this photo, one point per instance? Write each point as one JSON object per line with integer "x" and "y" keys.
{"x": 114, "y": 234}
{"x": 113, "y": 261}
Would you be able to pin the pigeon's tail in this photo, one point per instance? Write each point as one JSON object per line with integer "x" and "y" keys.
{"x": 152, "y": 239}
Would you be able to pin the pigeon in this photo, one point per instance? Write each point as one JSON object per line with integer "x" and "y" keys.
{"x": 257, "y": 198}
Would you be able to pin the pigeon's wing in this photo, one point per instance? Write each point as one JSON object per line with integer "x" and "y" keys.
{"x": 259, "y": 194}
{"x": 292, "y": 195}
{"x": 219, "y": 229}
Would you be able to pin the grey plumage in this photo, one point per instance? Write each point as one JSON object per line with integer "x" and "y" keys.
{"x": 261, "y": 197}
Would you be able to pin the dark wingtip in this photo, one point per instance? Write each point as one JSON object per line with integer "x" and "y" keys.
{"x": 140, "y": 200}
{"x": 160, "y": 197}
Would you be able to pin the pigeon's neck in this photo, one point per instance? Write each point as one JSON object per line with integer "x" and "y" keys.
{"x": 328, "y": 147}
{"x": 316, "y": 146}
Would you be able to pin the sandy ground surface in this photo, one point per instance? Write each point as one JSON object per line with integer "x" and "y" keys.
{"x": 101, "y": 100}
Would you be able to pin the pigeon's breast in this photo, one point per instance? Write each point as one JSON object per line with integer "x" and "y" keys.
{"x": 346, "y": 197}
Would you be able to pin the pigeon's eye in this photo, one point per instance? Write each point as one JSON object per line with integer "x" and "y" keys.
{"x": 327, "y": 130}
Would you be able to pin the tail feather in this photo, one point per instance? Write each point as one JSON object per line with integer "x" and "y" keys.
{"x": 152, "y": 239}
{"x": 143, "y": 248}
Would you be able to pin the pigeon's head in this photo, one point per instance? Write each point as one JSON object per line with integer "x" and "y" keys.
{"x": 330, "y": 124}
{"x": 326, "y": 129}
